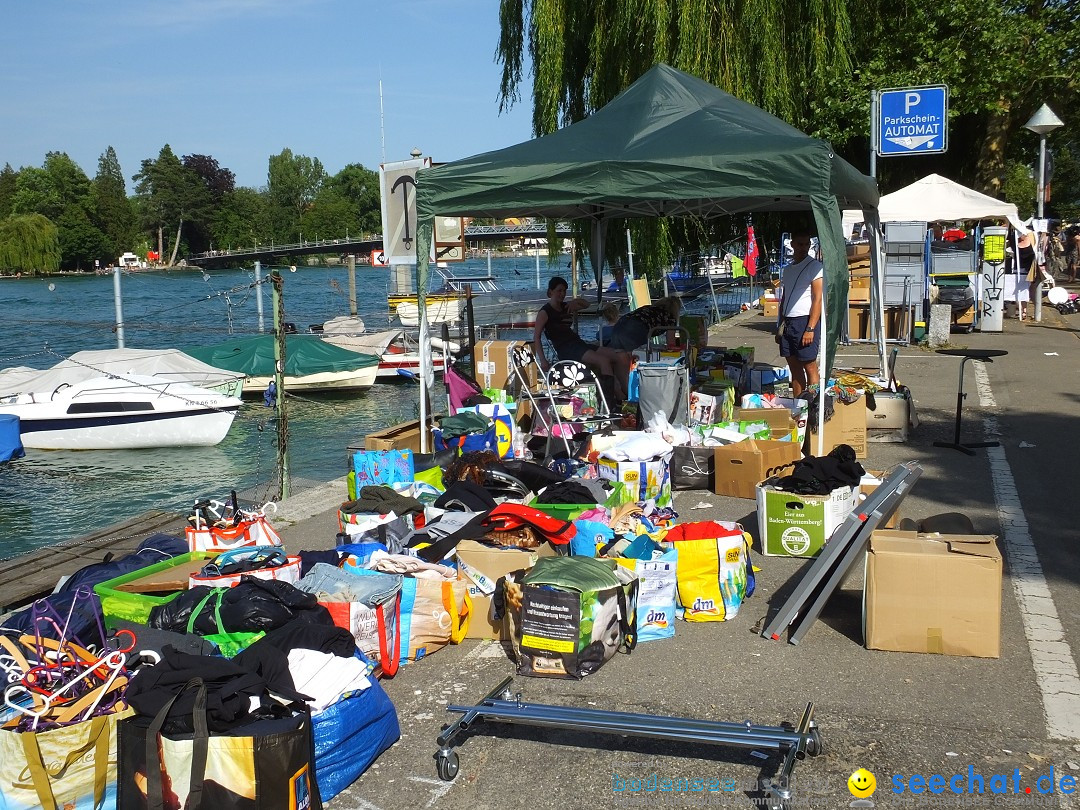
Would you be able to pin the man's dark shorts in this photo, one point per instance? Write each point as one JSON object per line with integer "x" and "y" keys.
{"x": 791, "y": 340}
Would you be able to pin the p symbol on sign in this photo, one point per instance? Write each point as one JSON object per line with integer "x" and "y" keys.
{"x": 911, "y": 100}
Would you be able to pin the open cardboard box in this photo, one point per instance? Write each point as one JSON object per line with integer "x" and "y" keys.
{"x": 933, "y": 593}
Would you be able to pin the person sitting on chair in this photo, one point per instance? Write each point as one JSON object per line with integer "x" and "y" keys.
{"x": 632, "y": 330}
{"x": 554, "y": 320}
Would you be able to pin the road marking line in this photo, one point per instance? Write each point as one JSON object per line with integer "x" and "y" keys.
{"x": 1051, "y": 656}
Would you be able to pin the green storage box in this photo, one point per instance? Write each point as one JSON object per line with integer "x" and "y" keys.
{"x": 563, "y": 511}
{"x": 131, "y": 597}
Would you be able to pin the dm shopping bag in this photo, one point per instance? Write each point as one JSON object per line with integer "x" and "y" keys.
{"x": 71, "y": 766}
{"x": 262, "y": 765}
{"x": 714, "y": 571}
{"x": 657, "y": 587}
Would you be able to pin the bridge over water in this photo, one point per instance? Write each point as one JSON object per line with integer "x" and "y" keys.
{"x": 360, "y": 246}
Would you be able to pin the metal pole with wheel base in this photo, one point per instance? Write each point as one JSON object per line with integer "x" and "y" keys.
{"x": 499, "y": 706}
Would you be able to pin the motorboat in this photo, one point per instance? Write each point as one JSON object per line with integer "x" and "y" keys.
{"x": 311, "y": 364}
{"x": 397, "y": 349}
{"x": 121, "y": 413}
{"x": 166, "y": 365}
{"x": 492, "y": 305}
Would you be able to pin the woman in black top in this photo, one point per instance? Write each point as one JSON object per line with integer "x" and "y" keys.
{"x": 555, "y": 320}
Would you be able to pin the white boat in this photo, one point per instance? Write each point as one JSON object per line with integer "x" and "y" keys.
{"x": 121, "y": 413}
{"x": 328, "y": 381}
{"x": 396, "y": 349}
{"x": 166, "y": 365}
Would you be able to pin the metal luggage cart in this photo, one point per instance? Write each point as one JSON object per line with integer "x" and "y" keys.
{"x": 664, "y": 383}
{"x": 500, "y": 705}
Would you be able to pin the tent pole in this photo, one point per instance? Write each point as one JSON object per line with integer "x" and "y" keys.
{"x": 630, "y": 271}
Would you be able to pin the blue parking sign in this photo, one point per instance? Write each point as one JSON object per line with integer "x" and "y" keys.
{"x": 913, "y": 121}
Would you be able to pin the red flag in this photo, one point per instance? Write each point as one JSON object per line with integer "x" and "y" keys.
{"x": 751, "y": 252}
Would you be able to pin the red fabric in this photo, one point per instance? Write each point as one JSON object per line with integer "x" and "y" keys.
{"x": 509, "y": 516}
{"x": 953, "y": 235}
{"x": 750, "y": 262}
{"x": 699, "y": 531}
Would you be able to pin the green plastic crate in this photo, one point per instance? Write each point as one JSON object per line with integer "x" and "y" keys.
{"x": 563, "y": 511}
{"x": 135, "y": 607}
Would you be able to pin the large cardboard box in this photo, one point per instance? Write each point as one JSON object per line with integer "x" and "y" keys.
{"x": 493, "y": 358}
{"x": 740, "y": 467}
{"x": 770, "y": 307}
{"x": 890, "y": 419}
{"x": 847, "y": 426}
{"x": 791, "y": 525}
{"x": 933, "y": 594}
{"x": 858, "y": 321}
{"x": 481, "y": 566}
{"x": 858, "y": 294}
{"x": 405, "y": 436}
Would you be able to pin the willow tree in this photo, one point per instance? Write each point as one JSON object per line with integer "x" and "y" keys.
{"x": 776, "y": 54}
{"x": 29, "y": 243}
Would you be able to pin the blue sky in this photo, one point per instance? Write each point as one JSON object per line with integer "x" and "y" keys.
{"x": 243, "y": 79}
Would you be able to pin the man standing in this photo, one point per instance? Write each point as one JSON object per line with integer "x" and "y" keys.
{"x": 797, "y": 331}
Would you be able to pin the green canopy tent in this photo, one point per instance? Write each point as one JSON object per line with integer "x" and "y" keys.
{"x": 669, "y": 145}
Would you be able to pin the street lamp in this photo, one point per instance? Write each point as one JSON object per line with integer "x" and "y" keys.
{"x": 1042, "y": 123}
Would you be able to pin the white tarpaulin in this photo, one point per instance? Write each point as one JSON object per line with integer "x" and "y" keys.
{"x": 932, "y": 199}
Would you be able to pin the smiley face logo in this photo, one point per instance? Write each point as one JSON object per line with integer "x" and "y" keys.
{"x": 862, "y": 784}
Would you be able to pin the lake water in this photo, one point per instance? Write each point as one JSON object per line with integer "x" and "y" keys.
{"x": 52, "y": 496}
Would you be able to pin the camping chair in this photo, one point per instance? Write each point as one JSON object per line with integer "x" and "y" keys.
{"x": 460, "y": 388}
{"x": 520, "y": 359}
{"x": 565, "y": 376}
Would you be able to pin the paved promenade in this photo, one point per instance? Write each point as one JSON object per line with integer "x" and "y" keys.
{"x": 892, "y": 713}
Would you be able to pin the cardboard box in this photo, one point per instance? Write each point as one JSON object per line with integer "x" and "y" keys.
{"x": 847, "y": 426}
{"x": 890, "y": 419}
{"x": 405, "y": 436}
{"x": 858, "y": 295}
{"x": 782, "y": 426}
{"x": 860, "y": 283}
{"x": 493, "y": 357}
{"x": 933, "y": 594}
{"x": 858, "y": 321}
{"x": 770, "y": 308}
{"x": 870, "y": 482}
{"x": 487, "y": 565}
{"x": 791, "y": 525}
{"x": 740, "y": 467}
{"x": 763, "y": 377}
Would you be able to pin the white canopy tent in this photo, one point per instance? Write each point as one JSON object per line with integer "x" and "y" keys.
{"x": 933, "y": 199}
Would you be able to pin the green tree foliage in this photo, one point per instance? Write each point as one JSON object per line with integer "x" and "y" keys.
{"x": 169, "y": 194}
{"x": 8, "y": 179}
{"x": 215, "y": 183}
{"x": 61, "y": 192}
{"x": 241, "y": 219}
{"x": 293, "y": 183}
{"x": 1000, "y": 59}
{"x": 29, "y": 244}
{"x": 114, "y": 213}
{"x": 777, "y": 54}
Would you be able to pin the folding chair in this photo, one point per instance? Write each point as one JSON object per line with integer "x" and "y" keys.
{"x": 520, "y": 359}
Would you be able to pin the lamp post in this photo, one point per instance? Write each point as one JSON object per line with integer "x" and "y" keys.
{"x": 1042, "y": 123}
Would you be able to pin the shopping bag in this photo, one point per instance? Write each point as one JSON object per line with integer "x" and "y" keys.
{"x": 350, "y": 735}
{"x": 714, "y": 571}
{"x": 271, "y": 561}
{"x": 250, "y": 530}
{"x": 434, "y": 613}
{"x": 266, "y": 764}
{"x": 374, "y": 467}
{"x": 692, "y": 467}
{"x": 569, "y": 615}
{"x": 71, "y": 766}
{"x": 657, "y": 585}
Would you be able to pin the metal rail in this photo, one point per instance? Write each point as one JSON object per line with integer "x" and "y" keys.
{"x": 499, "y": 706}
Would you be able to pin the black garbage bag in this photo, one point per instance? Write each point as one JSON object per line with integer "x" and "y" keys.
{"x": 252, "y": 606}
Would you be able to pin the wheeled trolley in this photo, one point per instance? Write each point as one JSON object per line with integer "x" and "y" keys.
{"x": 664, "y": 382}
{"x": 500, "y": 705}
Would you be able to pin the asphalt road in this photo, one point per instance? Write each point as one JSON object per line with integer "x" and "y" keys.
{"x": 895, "y": 714}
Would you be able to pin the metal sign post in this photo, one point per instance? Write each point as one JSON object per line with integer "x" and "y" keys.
{"x": 912, "y": 121}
